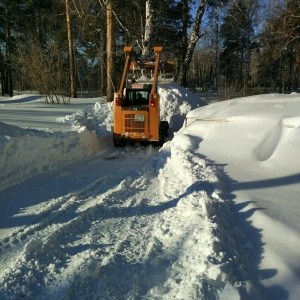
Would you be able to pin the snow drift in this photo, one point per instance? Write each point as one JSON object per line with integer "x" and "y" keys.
{"x": 214, "y": 213}
{"x": 29, "y": 152}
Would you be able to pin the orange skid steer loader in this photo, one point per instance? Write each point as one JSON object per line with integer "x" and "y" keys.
{"x": 137, "y": 103}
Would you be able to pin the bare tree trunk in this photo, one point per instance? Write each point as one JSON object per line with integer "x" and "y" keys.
{"x": 216, "y": 75}
{"x": 103, "y": 71}
{"x": 184, "y": 39}
{"x": 149, "y": 27}
{"x": 191, "y": 44}
{"x": 8, "y": 78}
{"x": 73, "y": 86}
{"x": 2, "y": 83}
{"x": 39, "y": 31}
{"x": 111, "y": 48}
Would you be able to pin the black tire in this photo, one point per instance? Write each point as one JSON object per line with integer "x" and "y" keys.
{"x": 144, "y": 143}
{"x": 156, "y": 144}
{"x": 163, "y": 132}
{"x": 119, "y": 143}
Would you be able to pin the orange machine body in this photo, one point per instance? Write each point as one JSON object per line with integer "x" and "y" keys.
{"x": 137, "y": 103}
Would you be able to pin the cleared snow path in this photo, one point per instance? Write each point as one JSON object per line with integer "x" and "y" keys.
{"x": 123, "y": 225}
{"x": 143, "y": 223}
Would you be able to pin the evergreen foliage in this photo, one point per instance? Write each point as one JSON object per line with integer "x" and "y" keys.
{"x": 240, "y": 45}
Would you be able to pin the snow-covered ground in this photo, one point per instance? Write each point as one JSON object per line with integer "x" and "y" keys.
{"x": 214, "y": 213}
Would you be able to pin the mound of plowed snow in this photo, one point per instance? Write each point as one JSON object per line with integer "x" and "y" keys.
{"x": 28, "y": 152}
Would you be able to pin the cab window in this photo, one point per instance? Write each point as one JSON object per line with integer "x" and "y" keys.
{"x": 136, "y": 98}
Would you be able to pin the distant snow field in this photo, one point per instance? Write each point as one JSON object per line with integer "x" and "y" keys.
{"x": 213, "y": 214}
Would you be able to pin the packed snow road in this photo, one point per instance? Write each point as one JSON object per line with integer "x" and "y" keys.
{"x": 125, "y": 224}
{"x": 210, "y": 215}
{"x": 95, "y": 222}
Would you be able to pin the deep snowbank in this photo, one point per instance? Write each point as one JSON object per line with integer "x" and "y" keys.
{"x": 189, "y": 230}
{"x": 257, "y": 140}
{"x": 154, "y": 235}
{"x": 176, "y": 102}
{"x": 28, "y": 152}
{"x": 218, "y": 205}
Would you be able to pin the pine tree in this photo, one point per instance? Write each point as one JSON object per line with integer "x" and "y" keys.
{"x": 237, "y": 32}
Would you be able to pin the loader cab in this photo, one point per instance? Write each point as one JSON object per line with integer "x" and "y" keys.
{"x": 136, "y": 96}
{"x": 137, "y": 102}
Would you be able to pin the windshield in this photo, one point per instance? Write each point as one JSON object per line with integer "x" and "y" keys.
{"x": 136, "y": 98}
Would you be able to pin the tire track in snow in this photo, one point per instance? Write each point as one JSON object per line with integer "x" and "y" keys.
{"x": 52, "y": 218}
{"x": 149, "y": 235}
{"x": 62, "y": 204}
{"x": 158, "y": 236}
{"x": 43, "y": 235}
{"x": 132, "y": 245}
{"x": 49, "y": 213}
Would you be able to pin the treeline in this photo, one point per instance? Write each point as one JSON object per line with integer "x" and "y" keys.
{"x": 249, "y": 47}
{"x": 75, "y": 47}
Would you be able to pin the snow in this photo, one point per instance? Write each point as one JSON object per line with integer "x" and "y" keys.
{"x": 212, "y": 214}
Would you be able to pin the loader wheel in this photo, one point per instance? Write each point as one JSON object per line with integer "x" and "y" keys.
{"x": 163, "y": 132}
{"x": 119, "y": 143}
{"x": 144, "y": 143}
{"x": 164, "y": 125}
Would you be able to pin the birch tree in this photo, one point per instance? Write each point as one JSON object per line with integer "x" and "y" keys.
{"x": 195, "y": 35}
{"x": 149, "y": 27}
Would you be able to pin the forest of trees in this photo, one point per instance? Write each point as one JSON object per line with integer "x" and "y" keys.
{"x": 75, "y": 47}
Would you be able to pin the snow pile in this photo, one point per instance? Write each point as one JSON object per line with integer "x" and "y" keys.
{"x": 176, "y": 102}
{"x": 28, "y": 152}
{"x": 97, "y": 119}
{"x": 167, "y": 239}
{"x": 188, "y": 230}
{"x": 257, "y": 140}
{"x": 212, "y": 214}
{"x": 154, "y": 235}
